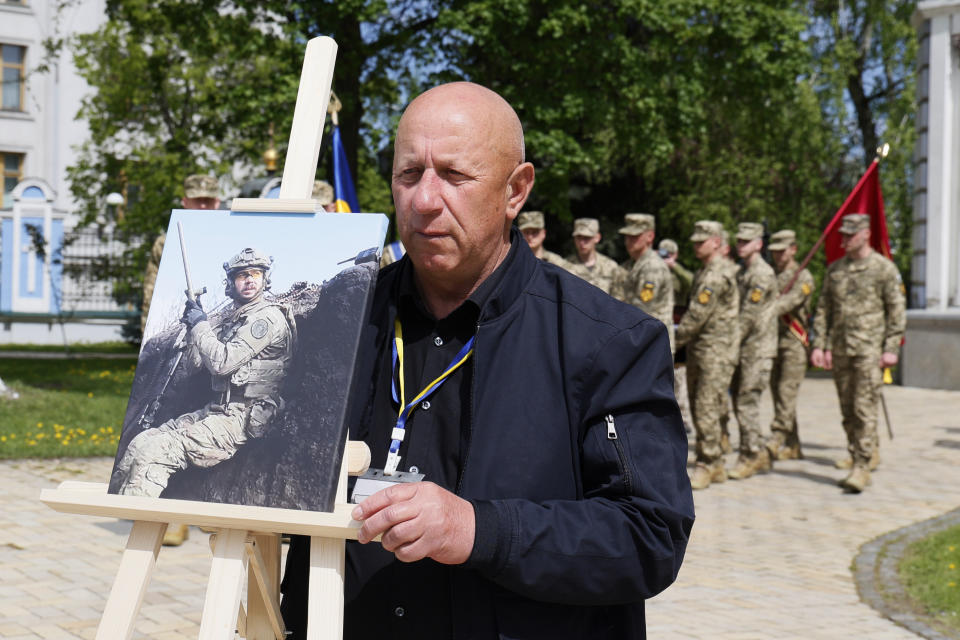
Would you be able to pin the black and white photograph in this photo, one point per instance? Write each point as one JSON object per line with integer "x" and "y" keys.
{"x": 243, "y": 379}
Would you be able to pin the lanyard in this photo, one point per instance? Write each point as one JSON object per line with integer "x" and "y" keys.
{"x": 393, "y": 455}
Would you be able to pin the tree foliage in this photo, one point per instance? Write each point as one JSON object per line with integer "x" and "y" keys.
{"x": 756, "y": 109}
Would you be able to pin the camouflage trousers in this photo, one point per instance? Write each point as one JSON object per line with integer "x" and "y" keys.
{"x": 707, "y": 391}
{"x": 858, "y": 380}
{"x": 680, "y": 391}
{"x": 789, "y": 368}
{"x": 749, "y": 381}
{"x": 202, "y": 439}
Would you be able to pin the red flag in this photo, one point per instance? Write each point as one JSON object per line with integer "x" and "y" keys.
{"x": 865, "y": 198}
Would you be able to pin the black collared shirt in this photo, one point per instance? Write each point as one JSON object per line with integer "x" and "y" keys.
{"x": 436, "y": 443}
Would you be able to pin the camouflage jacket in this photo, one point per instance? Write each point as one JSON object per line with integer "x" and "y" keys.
{"x": 710, "y": 328}
{"x": 793, "y": 307}
{"x": 552, "y": 258}
{"x": 862, "y": 308}
{"x": 758, "y": 291}
{"x": 648, "y": 285}
{"x": 250, "y": 348}
{"x": 603, "y": 274}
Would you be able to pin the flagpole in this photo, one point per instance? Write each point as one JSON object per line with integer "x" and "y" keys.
{"x": 881, "y": 154}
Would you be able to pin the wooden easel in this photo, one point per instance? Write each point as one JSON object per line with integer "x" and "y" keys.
{"x": 247, "y": 536}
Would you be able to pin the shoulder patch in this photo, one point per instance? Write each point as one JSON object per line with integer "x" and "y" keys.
{"x": 259, "y": 328}
{"x": 756, "y": 295}
{"x": 805, "y": 289}
{"x": 646, "y": 294}
{"x": 704, "y": 296}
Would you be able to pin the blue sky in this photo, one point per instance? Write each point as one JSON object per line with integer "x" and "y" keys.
{"x": 303, "y": 246}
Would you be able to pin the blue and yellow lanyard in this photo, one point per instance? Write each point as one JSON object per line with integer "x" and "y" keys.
{"x": 393, "y": 455}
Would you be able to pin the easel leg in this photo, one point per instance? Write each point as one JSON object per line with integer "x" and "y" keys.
{"x": 325, "y": 606}
{"x": 224, "y": 587}
{"x": 264, "y": 621}
{"x": 136, "y": 568}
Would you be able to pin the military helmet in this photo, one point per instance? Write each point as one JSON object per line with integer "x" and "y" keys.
{"x": 249, "y": 258}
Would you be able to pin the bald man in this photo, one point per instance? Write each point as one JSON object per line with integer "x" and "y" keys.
{"x": 553, "y": 499}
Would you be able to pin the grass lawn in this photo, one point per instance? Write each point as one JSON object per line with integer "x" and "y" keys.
{"x": 930, "y": 571}
{"x": 66, "y": 408}
{"x": 80, "y": 347}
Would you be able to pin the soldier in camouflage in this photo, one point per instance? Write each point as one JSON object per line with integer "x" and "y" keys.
{"x": 588, "y": 263}
{"x": 792, "y": 310}
{"x": 709, "y": 330}
{"x": 733, "y": 356}
{"x": 757, "y": 286}
{"x": 858, "y": 327}
{"x": 247, "y": 354}
{"x": 648, "y": 284}
{"x": 531, "y": 225}
{"x": 200, "y": 192}
{"x": 682, "y": 277}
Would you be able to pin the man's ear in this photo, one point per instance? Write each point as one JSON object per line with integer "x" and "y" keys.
{"x": 519, "y": 185}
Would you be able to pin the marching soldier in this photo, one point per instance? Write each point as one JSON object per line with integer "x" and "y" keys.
{"x": 709, "y": 330}
{"x": 648, "y": 284}
{"x": 247, "y": 354}
{"x": 531, "y": 225}
{"x": 858, "y": 327}
{"x": 792, "y": 310}
{"x": 588, "y": 263}
{"x": 758, "y": 345}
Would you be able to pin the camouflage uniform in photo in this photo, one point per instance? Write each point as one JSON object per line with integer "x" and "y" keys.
{"x": 536, "y": 220}
{"x": 792, "y": 310}
{"x": 709, "y": 331}
{"x": 247, "y": 354}
{"x": 682, "y": 281}
{"x": 861, "y": 313}
{"x": 758, "y": 344}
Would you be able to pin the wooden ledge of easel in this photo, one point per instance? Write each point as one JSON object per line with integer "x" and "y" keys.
{"x": 92, "y": 499}
{"x": 273, "y": 205}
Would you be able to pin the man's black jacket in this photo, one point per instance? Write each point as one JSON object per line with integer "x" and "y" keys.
{"x": 575, "y": 467}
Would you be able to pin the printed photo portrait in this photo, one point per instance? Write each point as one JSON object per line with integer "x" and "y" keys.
{"x": 243, "y": 379}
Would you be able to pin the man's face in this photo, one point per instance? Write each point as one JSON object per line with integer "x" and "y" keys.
{"x": 637, "y": 244}
{"x": 853, "y": 242}
{"x": 782, "y": 257}
{"x": 201, "y": 203}
{"x": 248, "y": 283}
{"x": 586, "y": 245}
{"x": 746, "y": 248}
{"x": 534, "y": 237}
{"x": 705, "y": 249}
{"x": 457, "y": 183}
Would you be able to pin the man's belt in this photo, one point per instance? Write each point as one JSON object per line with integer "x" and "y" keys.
{"x": 796, "y": 329}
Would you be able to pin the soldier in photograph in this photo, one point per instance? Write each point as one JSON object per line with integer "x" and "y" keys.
{"x": 247, "y": 355}
{"x": 531, "y": 224}
{"x": 792, "y": 310}
{"x": 648, "y": 284}
{"x": 710, "y": 332}
{"x": 758, "y": 345}
{"x": 588, "y": 263}
{"x": 858, "y": 327}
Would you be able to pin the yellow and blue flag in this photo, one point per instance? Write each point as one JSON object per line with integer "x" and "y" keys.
{"x": 345, "y": 194}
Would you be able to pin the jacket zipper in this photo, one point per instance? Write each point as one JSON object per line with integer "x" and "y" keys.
{"x": 621, "y": 456}
{"x": 473, "y": 384}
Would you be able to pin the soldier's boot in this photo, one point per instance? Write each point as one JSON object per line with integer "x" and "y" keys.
{"x": 175, "y": 535}
{"x": 705, "y": 474}
{"x": 789, "y": 452}
{"x": 858, "y": 479}
{"x": 773, "y": 444}
{"x": 763, "y": 461}
{"x": 847, "y": 463}
{"x": 749, "y": 464}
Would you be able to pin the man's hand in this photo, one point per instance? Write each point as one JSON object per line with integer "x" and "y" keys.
{"x": 888, "y": 360}
{"x": 192, "y": 313}
{"x": 822, "y": 359}
{"x": 418, "y": 520}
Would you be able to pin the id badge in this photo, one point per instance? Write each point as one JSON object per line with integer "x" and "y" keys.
{"x": 376, "y": 480}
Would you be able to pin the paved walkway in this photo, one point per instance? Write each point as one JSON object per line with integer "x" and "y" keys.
{"x": 770, "y": 556}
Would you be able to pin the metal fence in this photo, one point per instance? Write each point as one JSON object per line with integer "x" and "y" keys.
{"x": 92, "y": 261}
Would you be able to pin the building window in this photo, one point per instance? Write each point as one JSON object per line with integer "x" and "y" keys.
{"x": 12, "y": 174}
{"x": 13, "y": 73}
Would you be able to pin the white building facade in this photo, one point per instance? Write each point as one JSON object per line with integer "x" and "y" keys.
{"x": 932, "y": 349}
{"x": 38, "y": 134}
